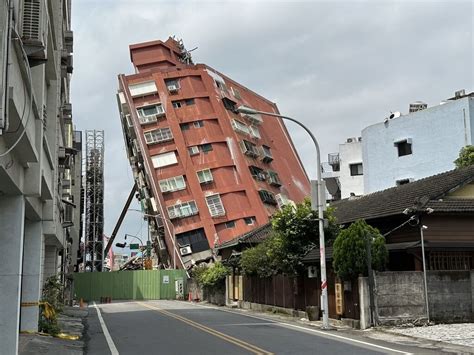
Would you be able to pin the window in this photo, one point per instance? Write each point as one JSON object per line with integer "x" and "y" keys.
{"x": 184, "y": 126}
{"x": 404, "y": 147}
{"x": 267, "y": 197}
{"x": 189, "y": 102}
{"x": 182, "y": 210}
{"x": 356, "y": 169}
{"x": 195, "y": 238}
{"x": 229, "y": 104}
{"x": 205, "y": 176}
{"x": 249, "y": 220}
{"x": 257, "y": 173}
{"x": 148, "y": 114}
{"x": 143, "y": 89}
{"x": 267, "y": 154}
{"x": 164, "y": 159}
{"x": 273, "y": 178}
{"x": 239, "y": 127}
{"x": 236, "y": 93}
{"x": 175, "y": 183}
{"x": 158, "y": 135}
{"x": 172, "y": 85}
{"x": 230, "y": 224}
{"x": 215, "y": 206}
{"x": 198, "y": 124}
{"x": 176, "y": 104}
{"x": 221, "y": 85}
{"x": 254, "y": 132}
{"x": 206, "y": 147}
{"x": 450, "y": 260}
{"x": 193, "y": 150}
{"x": 248, "y": 148}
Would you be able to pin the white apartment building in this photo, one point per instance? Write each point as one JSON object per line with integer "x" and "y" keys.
{"x": 39, "y": 182}
{"x": 409, "y": 147}
{"x": 344, "y": 172}
{"x": 402, "y": 148}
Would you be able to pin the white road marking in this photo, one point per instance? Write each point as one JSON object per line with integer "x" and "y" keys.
{"x": 323, "y": 333}
{"x": 110, "y": 342}
{"x": 225, "y": 325}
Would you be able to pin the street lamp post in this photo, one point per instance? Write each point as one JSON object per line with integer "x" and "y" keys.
{"x": 320, "y": 193}
{"x": 169, "y": 223}
{"x": 425, "y": 284}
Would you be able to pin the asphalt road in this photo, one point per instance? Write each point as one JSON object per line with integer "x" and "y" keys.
{"x": 173, "y": 327}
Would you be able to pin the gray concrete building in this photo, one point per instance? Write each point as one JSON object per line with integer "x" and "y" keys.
{"x": 39, "y": 161}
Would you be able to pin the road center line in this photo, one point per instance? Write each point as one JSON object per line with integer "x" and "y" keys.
{"x": 321, "y": 332}
{"x": 252, "y": 348}
{"x": 110, "y": 342}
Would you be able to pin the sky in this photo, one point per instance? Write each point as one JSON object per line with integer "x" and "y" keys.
{"x": 336, "y": 66}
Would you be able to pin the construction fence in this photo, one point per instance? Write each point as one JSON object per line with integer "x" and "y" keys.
{"x": 131, "y": 285}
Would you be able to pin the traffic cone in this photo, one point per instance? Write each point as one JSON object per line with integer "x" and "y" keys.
{"x": 190, "y": 298}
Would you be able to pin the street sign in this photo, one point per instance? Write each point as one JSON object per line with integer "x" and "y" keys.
{"x": 134, "y": 246}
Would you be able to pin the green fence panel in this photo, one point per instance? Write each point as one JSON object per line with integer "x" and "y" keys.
{"x": 129, "y": 285}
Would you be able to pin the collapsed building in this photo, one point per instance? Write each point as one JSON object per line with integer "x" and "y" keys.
{"x": 204, "y": 172}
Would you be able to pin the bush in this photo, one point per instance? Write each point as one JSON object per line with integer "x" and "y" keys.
{"x": 350, "y": 250}
{"x": 466, "y": 157}
{"x": 212, "y": 277}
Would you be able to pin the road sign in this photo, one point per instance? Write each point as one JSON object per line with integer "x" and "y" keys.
{"x": 134, "y": 246}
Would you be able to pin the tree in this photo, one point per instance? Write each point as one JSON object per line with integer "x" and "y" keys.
{"x": 466, "y": 157}
{"x": 295, "y": 232}
{"x": 350, "y": 250}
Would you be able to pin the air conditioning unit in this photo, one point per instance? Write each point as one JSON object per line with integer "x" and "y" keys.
{"x": 34, "y": 30}
{"x": 68, "y": 41}
{"x": 173, "y": 88}
{"x": 185, "y": 250}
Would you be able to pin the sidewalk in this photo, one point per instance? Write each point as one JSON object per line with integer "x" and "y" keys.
{"x": 71, "y": 322}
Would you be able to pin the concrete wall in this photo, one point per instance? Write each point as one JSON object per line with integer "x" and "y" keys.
{"x": 450, "y": 295}
{"x": 438, "y": 133}
{"x": 399, "y": 296}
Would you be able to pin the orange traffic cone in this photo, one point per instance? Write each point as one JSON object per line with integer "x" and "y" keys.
{"x": 190, "y": 298}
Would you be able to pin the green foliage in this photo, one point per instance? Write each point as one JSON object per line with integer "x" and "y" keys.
{"x": 211, "y": 277}
{"x": 51, "y": 305}
{"x": 295, "y": 232}
{"x": 350, "y": 250}
{"x": 466, "y": 157}
{"x": 265, "y": 258}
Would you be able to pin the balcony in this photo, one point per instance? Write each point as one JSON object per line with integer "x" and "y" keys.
{"x": 333, "y": 160}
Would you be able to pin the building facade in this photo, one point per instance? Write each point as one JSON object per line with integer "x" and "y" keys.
{"x": 422, "y": 143}
{"x": 206, "y": 173}
{"x": 344, "y": 171}
{"x": 39, "y": 203}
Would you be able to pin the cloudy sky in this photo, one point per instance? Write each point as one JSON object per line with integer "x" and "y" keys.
{"x": 336, "y": 66}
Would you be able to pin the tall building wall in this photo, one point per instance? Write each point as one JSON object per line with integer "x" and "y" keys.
{"x": 435, "y": 135}
{"x": 205, "y": 133}
{"x": 36, "y": 157}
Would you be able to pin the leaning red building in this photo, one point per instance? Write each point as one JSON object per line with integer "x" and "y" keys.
{"x": 208, "y": 173}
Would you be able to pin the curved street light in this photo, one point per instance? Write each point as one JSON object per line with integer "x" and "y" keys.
{"x": 320, "y": 193}
{"x": 169, "y": 223}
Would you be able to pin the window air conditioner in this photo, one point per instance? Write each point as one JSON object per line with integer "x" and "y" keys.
{"x": 34, "y": 24}
{"x": 172, "y": 88}
{"x": 185, "y": 250}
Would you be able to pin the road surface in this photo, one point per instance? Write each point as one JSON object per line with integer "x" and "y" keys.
{"x": 174, "y": 327}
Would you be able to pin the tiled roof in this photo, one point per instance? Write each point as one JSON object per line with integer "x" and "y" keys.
{"x": 255, "y": 236}
{"x": 396, "y": 199}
